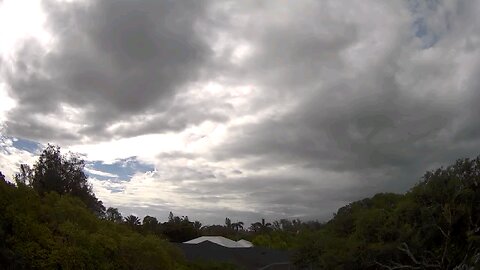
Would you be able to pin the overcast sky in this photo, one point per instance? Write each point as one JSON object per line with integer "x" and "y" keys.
{"x": 245, "y": 109}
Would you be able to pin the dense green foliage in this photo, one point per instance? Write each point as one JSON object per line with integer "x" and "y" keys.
{"x": 436, "y": 225}
{"x": 58, "y": 232}
{"x": 54, "y": 231}
{"x": 62, "y": 174}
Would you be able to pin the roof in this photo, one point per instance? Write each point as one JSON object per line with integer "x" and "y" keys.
{"x": 245, "y": 243}
{"x": 222, "y": 241}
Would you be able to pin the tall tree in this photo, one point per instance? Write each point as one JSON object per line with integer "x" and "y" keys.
{"x": 228, "y": 223}
{"x": 24, "y": 176}
{"x": 114, "y": 215}
{"x": 150, "y": 224}
{"x": 63, "y": 174}
{"x": 237, "y": 225}
{"x": 261, "y": 226}
{"x": 197, "y": 225}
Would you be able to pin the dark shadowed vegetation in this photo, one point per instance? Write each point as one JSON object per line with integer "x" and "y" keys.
{"x": 52, "y": 231}
{"x": 436, "y": 225}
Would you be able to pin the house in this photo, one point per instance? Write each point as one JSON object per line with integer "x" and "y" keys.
{"x": 240, "y": 253}
{"x": 222, "y": 241}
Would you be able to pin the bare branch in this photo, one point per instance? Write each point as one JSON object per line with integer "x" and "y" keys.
{"x": 424, "y": 264}
{"x": 397, "y": 266}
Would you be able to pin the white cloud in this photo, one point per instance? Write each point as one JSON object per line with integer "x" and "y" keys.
{"x": 20, "y": 20}
{"x": 100, "y": 173}
{"x": 11, "y": 158}
{"x": 6, "y": 103}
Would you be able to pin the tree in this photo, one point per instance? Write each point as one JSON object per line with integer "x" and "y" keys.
{"x": 2, "y": 177}
{"x": 287, "y": 225}
{"x": 228, "y": 223}
{"x": 112, "y": 214}
{"x": 448, "y": 233}
{"x": 25, "y": 176}
{"x": 261, "y": 227}
{"x": 237, "y": 226}
{"x": 63, "y": 174}
{"x": 150, "y": 224}
{"x": 180, "y": 229}
{"x": 132, "y": 221}
{"x": 197, "y": 225}
{"x": 59, "y": 232}
{"x": 436, "y": 225}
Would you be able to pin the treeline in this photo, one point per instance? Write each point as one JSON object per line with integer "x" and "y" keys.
{"x": 52, "y": 231}
{"x": 52, "y": 219}
{"x": 180, "y": 229}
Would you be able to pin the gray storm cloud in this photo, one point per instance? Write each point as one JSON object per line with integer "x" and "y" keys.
{"x": 351, "y": 98}
{"x": 114, "y": 60}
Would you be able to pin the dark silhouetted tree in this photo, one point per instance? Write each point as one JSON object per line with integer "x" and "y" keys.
{"x": 197, "y": 225}
{"x": 237, "y": 226}
{"x": 228, "y": 223}
{"x": 132, "y": 221}
{"x": 150, "y": 224}
{"x": 261, "y": 227}
{"x": 63, "y": 174}
{"x": 180, "y": 229}
{"x": 114, "y": 215}
{"x": 24, "y": 176}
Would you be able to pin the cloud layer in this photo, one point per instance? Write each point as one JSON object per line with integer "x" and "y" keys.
{"x": 251, "y": 109}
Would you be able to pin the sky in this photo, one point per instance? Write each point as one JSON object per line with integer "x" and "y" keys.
{"x": 241, "y": 109}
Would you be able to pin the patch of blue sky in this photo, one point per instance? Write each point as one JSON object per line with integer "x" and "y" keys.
{"x": 428, "y": 38}
{"x": 416, "y": 6}
{"x": 8, "y": 142}
{"x": 122, "y": 170}
{"x": 116, "y": 189}
{"x": 420, "y": 26}
{"x": 26, "y": 145}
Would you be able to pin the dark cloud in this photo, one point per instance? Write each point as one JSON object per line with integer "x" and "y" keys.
{"x": 396, "y": 117}
{"x": 114, "y": 60}
{"x": 348, "y": 99}
{"x": 274, "y": 196}
{"x": 175, "y": 117}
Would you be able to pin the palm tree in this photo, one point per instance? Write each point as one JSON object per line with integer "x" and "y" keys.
{"x": 261, "y": 227}
{"x": 237, "y": 226}
{"x": 197, "y": 225}
{"x": 132, "y": 221}
{"x": 228, "y": 223}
